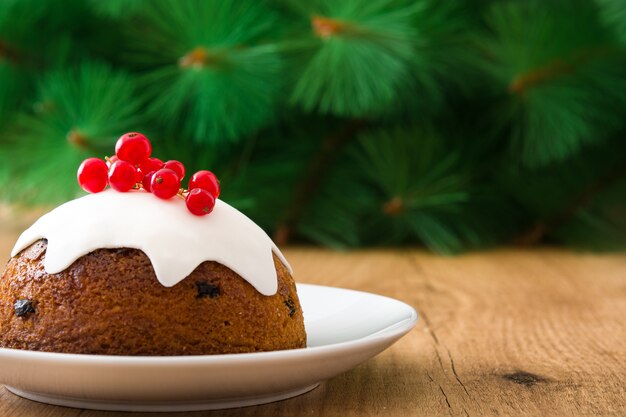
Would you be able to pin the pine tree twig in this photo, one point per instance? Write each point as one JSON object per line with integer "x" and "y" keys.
{"x": 318, "y": 169}
{"x": 394, "y": 207}
{"x": 532, "y": 236}
{"x": 325, "y": 27}
{"x": 200, "y": 57}
{"x": 77, "y": 139}
{"x": 525, "y": 81}
{"x": 542, "y": 228}
{"x": 555, "y": 69}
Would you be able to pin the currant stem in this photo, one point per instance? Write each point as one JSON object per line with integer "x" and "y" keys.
{"x": 181, "y": 193}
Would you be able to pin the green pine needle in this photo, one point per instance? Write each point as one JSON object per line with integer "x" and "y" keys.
{"x": 599, "y": 226}
{"x": 117, "y": 8}
{"x": 586, "y": 210}
{"x": 362, "y": 58}
{"x": 480, "y": 121}
{"x": 18, "y": 17}
{"x": 213, "y": 69}
{"x": 79, "y": 113}
{"x": 560, "y": 70}
{"x": 343, "y": 196}
{"x": 443, "y": 64}
{"x": 408, "y": 185}
{"x": 423, "y": 189}
{"x": 613, "y": 12}
{"x": 263, "y": 186}
{"x": 13, "y": 87}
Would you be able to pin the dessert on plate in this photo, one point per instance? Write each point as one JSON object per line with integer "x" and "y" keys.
{"x": 147, "y": 268}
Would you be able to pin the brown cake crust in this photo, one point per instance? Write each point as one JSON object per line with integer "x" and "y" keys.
{"x": 109, "y": 302}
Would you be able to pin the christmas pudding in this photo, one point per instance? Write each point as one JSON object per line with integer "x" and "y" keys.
{"x": 134, "y": 270}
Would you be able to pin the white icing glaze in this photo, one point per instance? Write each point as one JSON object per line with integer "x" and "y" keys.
{"x": 175, "y": 240}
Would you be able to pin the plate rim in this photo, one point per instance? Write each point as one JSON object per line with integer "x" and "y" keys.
{"x": 394, "y": 330}
{"x": 156, "y": 407}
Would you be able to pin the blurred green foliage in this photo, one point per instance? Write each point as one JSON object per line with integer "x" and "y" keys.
{"x": 455, "y": 125}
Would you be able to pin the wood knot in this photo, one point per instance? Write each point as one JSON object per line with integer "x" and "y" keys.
{"x": 325, "y": 27}
{"x": 394, "y": 206}
{"x": 77, "y": 139}
{"x": 524, "y": 378}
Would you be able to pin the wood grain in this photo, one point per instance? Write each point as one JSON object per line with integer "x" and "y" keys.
{"x": 510, "y": 332}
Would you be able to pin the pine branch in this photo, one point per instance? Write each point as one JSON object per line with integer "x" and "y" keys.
{"x": 13, "y": 89}
{"x": 396, "y": 186}
{"x": 442, "y": 51}
{"x": 555, "y": 69}
{"x": 8, "y": 53}
{"x": 543, "y": 228}
{"x": 211, "y": 65}
{"x": 360, "y": 58}
{"x": 613, "y": 12}
{"x": 260, "y": 177}
{"x": 319, "y": 167}
{"x": 117, "y": 8}
{"x": 599, "y": 226}
{"x": 560, "y": 71}
{"x": 424, "y": 191}
{"x": 492, "y": 116}
{"x": 78, "y": 113}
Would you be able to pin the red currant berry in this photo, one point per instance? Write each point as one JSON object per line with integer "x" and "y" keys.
{"x": 145, "y": 167}
{"x": 177, "y": 167}
{"x": 92, "y": 175}
{"x": 200, "y": 202}
{"x": 133, "y": 147}
{"x": 150, "y": 164}
{"x": 164, "y": 183}
{"x": 122, "y": 176}
{"x": 138, "y": 175}
{"x": 146, "y": 181}
{"x": 205, "y": 180}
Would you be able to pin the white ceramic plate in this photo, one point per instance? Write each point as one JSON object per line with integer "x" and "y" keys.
{"x": 344, "y": 329}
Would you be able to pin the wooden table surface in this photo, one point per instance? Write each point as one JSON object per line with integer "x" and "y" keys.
{"x": 510, "y": 332}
